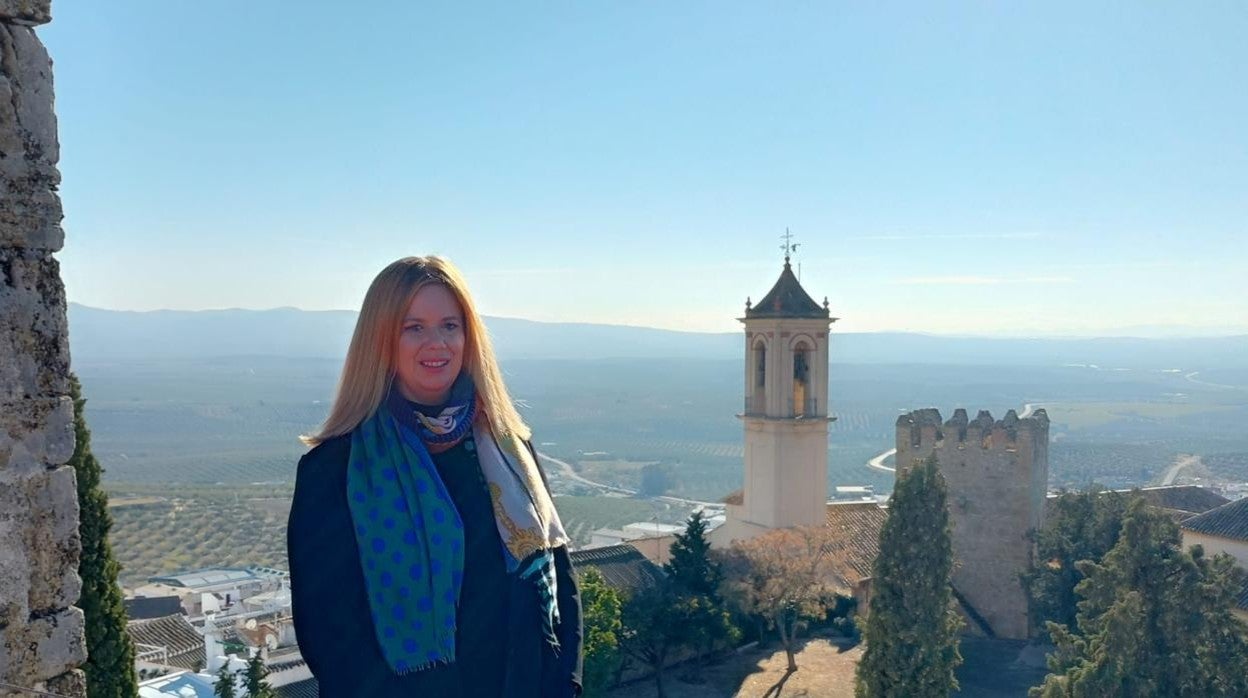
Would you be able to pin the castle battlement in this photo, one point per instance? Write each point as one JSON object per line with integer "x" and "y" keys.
{"x": 996, "y": 472}
{"x": 923, "y": 430}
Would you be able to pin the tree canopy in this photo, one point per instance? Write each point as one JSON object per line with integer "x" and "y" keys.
{"x": 1079, "y": 526}
{"x": 912, "y": 628}
{"x": 600, "y": 609}
{"x": 785, "y": 577}
{"x": 1153, "y": 620}
{"x": 692, "y": 567}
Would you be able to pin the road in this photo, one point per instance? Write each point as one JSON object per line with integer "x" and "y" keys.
{"x": 570, "y": 473}
{"x": 877, "y": 463}
{"x": 1180, "y": 462}
{"x": 1191, "y": 377}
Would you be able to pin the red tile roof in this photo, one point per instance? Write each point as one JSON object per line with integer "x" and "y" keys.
{"x": 857, "y": 525}
{"x": 1228, "y": 521}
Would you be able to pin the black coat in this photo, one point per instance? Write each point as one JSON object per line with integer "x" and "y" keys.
{"x": 333, "y": 620}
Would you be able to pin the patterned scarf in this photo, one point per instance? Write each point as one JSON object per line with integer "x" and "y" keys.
{"x": 410, "y": 535}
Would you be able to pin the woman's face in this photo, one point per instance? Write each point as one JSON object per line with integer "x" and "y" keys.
{"x": 431, "y": 346}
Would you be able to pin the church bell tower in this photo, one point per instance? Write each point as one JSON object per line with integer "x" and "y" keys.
{"x": 786, "y": 411}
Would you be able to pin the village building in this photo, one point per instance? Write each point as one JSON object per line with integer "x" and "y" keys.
{"x": 1223, "y": 530}
{"x": 213, "y": 590}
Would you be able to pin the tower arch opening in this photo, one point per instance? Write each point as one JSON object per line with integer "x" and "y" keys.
{"x": 758, "y": 392}
{"x": 803, "y": 397}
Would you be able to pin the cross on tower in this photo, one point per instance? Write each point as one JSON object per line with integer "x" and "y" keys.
{"x": 789, "y": 246}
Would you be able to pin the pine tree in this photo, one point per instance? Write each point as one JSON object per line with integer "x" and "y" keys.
{"x": 691, "y": 567}
{"x": 912, "y": 629}
{"x": 1154, "y": 621}
{"x": 600, "y": 610}
{"x": 224, "y": 686}
{"x": 1079, "y": 526}
{"x": 257, "y": 687}
{"x": 110, "y": 652}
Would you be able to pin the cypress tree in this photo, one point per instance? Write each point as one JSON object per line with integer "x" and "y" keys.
{"x": 691, "y": 567}
{"x": 912, "y": 628}
{"x": 110, "y": 652}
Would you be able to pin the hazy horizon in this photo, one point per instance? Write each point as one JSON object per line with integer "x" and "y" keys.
{"x": 975, "y": 170}
{"x": 1138, "y": 332}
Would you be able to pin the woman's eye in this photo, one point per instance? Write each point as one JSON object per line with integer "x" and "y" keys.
{"x": 451, "y": 326}
{"x": 410, "y": 328}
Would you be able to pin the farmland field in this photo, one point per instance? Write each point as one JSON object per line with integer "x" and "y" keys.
{"x": 216, "y": 440}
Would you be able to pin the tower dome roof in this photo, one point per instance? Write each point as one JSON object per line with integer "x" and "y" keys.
{"x": 787, "y": 298}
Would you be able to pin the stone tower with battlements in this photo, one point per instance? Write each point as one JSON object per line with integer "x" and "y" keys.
{"x": 41, "y": 633}
{"x": 997, "y": 474}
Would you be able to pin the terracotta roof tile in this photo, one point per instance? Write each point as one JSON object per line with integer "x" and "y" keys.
{"x": 622, "y": 566}
{"x": 1228, "y": 521}
{"x": 183, "y": 642}
{"x": 858, "y": 525}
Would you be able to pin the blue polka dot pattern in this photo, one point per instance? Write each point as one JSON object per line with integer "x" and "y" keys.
{"x": 411, "y": 544}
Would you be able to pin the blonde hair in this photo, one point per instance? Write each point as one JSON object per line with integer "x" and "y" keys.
{"x": 369, "y": 367}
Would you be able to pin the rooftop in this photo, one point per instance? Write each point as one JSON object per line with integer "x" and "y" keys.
{"x": 787, "y": 299}
{"x": 182, "y": 684}
{"x": 199, "y": 579}
{"x": 1228, "y": 521}
{"x": 858, "y": 524}
{"x": 182, "y": 641}
{"x": 622, "y": 566}
{"x": 143, "y": 607}
{"x": 1180, "y": 501}
{"x": 1183, "y": 498}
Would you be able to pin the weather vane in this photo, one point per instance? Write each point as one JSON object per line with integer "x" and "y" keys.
{"x": 789, "y": 246}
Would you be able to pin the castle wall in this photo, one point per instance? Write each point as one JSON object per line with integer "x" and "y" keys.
{"x": 997, "y": 476}
{"x": 41, "y": 633}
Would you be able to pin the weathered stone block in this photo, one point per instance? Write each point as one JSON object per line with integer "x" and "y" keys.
{"x": 30, "y": 208}
{"x": 35, "y": 434}
{"x": 42, "y": 648}
{"x": 40, "y": 636}
{"x": 53, "y": 541}
{"x": 26, "y": 11}
{"x": 71, "y": 684}
{"x": 34, "y": 341}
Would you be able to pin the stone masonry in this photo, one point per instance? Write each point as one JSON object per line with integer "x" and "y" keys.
{"x": 41, "y": 633}
{"x": 997, "y": 474}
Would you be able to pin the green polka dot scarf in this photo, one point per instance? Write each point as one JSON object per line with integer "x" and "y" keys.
{"x": 411, "y": 538}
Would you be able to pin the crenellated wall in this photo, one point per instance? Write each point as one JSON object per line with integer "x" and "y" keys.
{"x": 997, "y": 473}
{"x": 41, "y": 633}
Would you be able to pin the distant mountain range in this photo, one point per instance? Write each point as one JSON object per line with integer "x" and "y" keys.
{"x": 104, "y": 335}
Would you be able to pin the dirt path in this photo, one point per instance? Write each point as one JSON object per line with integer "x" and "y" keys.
{"x": 824, "y": 669}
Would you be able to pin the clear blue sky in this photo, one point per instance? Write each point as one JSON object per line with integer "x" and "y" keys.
{"x": 984, "y": 167}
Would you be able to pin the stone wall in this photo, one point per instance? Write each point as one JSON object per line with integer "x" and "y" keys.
{"x": 41, "y": 633}
{"x": 997, "y": 474}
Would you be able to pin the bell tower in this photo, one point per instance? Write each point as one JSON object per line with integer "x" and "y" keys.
{"x": 786, "y": 411}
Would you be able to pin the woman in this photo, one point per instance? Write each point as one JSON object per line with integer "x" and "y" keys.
{"x": 426, "y": 556}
